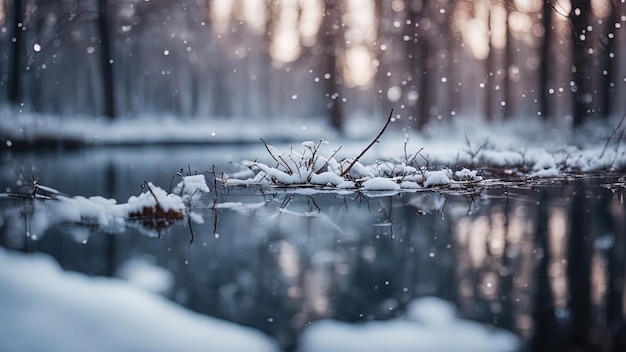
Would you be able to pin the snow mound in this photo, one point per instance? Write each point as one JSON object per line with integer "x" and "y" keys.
{"x": 191, "y": 186}
{"x": 380, "y": 184}
{"x": 155, "y": 196}
{"x": 46, "y": 309}
{"x": 430, "y": 326}
{"x": 437, "y": 178}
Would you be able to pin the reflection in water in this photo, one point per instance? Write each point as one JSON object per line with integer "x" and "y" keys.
{"x": 547, "y": 262}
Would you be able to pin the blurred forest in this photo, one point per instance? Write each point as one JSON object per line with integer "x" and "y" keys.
{"x": 262, "y": 59}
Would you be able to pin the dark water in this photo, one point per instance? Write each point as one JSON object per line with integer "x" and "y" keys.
{"x": 546, "y": 261}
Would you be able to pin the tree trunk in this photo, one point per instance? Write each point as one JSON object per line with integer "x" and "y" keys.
{"x": 580, "y": 245}
{"x": 489, "y": 68}
{"x": 332, "y": 35}
{"x": 509, "y": 55}
{"x": 106, "y": 60}
{"x": 547, "y": 333}
{"x": 581, "y": 63}
{"x": 17, "y": 55}
{"x": 544, "y": 70}
{"x": 608, "y": 42}
{"x": 425, "y": 50}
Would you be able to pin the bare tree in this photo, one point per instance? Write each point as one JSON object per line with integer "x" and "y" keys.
{"x": 581, "y": 67}
{"x": 608, "y": 61}
{"x": 544, "y": 69}
{"x": 17, "y": 54}
{"x": 425, "y": 93}
{"x": 332, "y": 39}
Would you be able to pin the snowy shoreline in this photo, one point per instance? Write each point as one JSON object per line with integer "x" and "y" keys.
{"x": 513, "y": 149}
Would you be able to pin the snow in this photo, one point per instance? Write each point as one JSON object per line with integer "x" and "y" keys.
{"x": 551, "y": 172}
{"x": 145, "y": 274}
{"x": 143, "y": 129}
{"x": 327, "y": 178}
{"x": 437, "y": 178}
{"x": 430, "y": 325}
{"x": 468, "y": 175}
{"x": 321, "y": 168}
{"x": 110, "y": 216}
{"x": 380, "y": 184}
{"x": 307, "y": 168}
{"x": 192, "y": 185}
{"x": 525, "y": 147}
{"x": 154, "y": 196}
{"x": 46, "y": 309}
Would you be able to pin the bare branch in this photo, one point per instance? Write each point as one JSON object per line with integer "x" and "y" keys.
{"x": 273, "y": 156}
{"x": 608, "y": 140}
{"x": 369, "y": 146}
{"x": 327, "y": 160}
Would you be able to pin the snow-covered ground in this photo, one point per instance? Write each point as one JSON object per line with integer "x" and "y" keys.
{"x": 527, "y": 145}
{"x": 47, "y": 309}
{"x": 44, "y": 308}
{"x": 19, "y": 127}
{"x": 430, "y": 325}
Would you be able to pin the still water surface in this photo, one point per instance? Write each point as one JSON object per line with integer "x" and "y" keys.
{"x": 546, "y": 261}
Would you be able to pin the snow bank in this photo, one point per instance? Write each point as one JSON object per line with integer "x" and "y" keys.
{"x": 46, "y": 309}
{"x": 430, "y": 325}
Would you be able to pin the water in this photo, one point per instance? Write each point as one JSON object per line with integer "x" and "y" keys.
{"x": 545, "y": 261}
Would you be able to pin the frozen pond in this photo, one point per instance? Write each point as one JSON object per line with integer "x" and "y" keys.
{"x": 546, "y": 262}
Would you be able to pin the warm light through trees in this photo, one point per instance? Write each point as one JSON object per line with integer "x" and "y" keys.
{"x": 431, "y": 60}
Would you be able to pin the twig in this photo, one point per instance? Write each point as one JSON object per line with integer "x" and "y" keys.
{"x": 287, "y": 165}
{"x": 568, "y": 16}
{"x": 153, "y": 195}
{"x": 35, "y": 188}
{"x": 612, "y": 134}
{"x": 617, "y": 145}
{"x": 327, "y": 160}
{"x": 190, "y": 231}
{"x": 369, "y": 146}
{"x": 272, "y": 154}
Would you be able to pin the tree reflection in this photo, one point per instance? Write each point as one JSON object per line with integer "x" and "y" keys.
{"x": 547, "y": 263}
